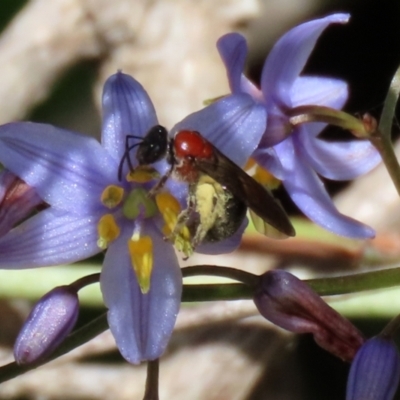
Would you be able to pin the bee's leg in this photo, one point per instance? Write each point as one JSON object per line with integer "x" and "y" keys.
{"x": 160, "y": 184}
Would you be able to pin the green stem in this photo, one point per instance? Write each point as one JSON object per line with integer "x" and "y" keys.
{"x": 226, "y": 272}
{"x": 356, "y": 283}
{"x": 237, "y": 291}
{"x": 389, "y": 107}
{"x": 384, "y": 145}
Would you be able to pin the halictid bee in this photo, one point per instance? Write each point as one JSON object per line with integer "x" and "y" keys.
{"x": 219, "y": 190}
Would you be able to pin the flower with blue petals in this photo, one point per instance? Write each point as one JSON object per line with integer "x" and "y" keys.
{"x": 297, "y": 155}
{"x": 375, "y": 371}
{"x": 90, "y": 210}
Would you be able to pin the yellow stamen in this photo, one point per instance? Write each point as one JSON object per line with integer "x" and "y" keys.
{"x": 107, "y": 230}
{"x": 141, "y": 252}
{"x": 142, "y": 174}
{"x": 207, "y": 102}
{"x": 170, "y": 209}
{"x": 266, "y": 178}
{"x": 250, "y": 164}
{"x": 112, "y": 195}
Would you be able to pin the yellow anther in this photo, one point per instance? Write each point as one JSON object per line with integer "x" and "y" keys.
{"x": 266, "y": 178}
{"x": 249, "y": 164}
{"x": 170, "y": 209}
{"x": 107, "y": 230}
{"x": 112, "y": 195}
{"x": 141, "y": 252}
{"x": 143, "y": 174}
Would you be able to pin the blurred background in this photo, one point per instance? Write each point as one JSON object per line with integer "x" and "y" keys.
{"x": 54, "y": 58}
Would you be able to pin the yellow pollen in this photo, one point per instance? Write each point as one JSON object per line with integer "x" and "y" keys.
{"x": 141, "y": 252}
{"x": 142, "y": 174}
{"x": 107, "y": 230}
{"x": 266, "y": 178}
{"x": 250, "y": 164}
{"x": 112, "y": 195}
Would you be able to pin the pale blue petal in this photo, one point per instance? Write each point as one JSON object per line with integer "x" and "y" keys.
{"x": 309, "y": 194}
{"x": 127, "y": 110}
{"x": 289, "y": 56}
{"x": 340, "y": 160}
{"x": 269, "y": 160}
{"x": 317, "y": 91}
{"x": 233, "y": 124}
{"x": 49, "y": 238}
{"x": 141, "y": 324}
{"x": 232, "y": 48}
{"x": 68, "y": 171}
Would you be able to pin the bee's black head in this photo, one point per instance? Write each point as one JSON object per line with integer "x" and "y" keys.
{"x": 153, "y": 147}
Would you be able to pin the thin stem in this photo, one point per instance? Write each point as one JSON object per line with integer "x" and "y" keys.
{"x": 356, "y": 283}
{"x": 391, "y": 328}
{"x": 384, "y": 145}
{"x": 226, "y": 272}
{"x": 389, "y": 107}
{"x": 85, "y": 281}
{"x": 151, "y": 392}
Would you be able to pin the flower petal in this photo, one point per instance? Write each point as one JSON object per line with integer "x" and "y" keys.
{"x": 233, "y": 124}
{"x": 309, "y": 194}
{"x": 289, "y": 55}
{"x": 232, "y": 48}
{"x": 340, "y": 160}
{"x": 49, "y": 238}
{"x": 141, "y": 323}
{"x": 127, "y": 110}
{"x": 61, "y": 165}
{"x": 313, "y": 90}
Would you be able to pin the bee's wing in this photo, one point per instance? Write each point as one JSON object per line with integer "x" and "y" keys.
{"x": 259, "y": 199}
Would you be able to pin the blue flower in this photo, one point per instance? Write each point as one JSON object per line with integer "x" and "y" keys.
{"x": 298, "y": 156}
{"x": 375, "y": 371}
{"x": 90, "y": 210}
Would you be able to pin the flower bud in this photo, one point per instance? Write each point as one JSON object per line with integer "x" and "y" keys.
{"x": 291, "y": 304}
{"x": 375, "y": 371}
{"x": 17, "y": 200}
{"x": 49, "y": 322}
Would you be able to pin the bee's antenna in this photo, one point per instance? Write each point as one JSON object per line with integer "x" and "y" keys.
{"x": 126, "y": 155}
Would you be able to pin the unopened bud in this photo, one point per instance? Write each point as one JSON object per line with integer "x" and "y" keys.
{"x": 48, "y": 324}
{"x": 375, "y": 371}
{"x": 291, "y": 304}
{"x": 17, "y": 200}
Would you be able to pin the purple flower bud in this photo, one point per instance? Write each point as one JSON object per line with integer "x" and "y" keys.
{"x": 289, "y": 303}
{"x": 17, "y": 200}
{"x": 49, "y": 322}
{"x": 375, "y": 371}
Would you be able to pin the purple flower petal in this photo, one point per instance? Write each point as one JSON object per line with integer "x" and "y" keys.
{"x": 288, "y": 57}
{"x": 232, "y": 48}
{"x": 313, "y": 90}
{"x": 141, "y": 324}
{"x": 127, "y": 110}
{"x": 61, "y": 165}
{"x": 233, "y": 124}
{"x": 49, "y": 238}
{"x": 375, "y": 371}
{"x": 340, "y": 160}
{"x": 309, "y": 194}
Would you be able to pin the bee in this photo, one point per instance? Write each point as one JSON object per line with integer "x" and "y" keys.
{"x": 219, "y": 190}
